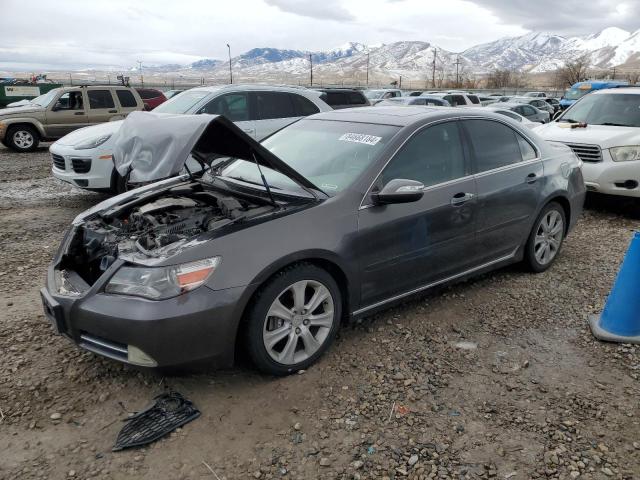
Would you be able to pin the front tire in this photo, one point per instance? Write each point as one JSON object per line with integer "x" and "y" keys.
{"x": 22, "y": 138}
{"x": 546, "y": 237}
{"x": 293, "y": 320}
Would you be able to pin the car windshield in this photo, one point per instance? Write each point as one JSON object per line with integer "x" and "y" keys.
{"x": 575, "y": 93}
{"x": 182, "y": 103}
{"x": 330, "y": 154}
{"x": 616, "y": 109}
{"x": 46, "y": 99}
{"x": 374, "y": 94}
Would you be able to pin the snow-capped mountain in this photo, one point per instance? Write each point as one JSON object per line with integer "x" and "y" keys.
{"x": 533, "y": 52}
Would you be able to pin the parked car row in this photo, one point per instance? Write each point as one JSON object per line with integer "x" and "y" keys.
{"x": 84, "y": 158}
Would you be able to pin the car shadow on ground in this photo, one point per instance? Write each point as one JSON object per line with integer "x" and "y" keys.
{"x": 624, "y": 206}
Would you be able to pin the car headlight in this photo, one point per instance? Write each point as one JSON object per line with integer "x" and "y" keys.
{"x": 625, "y": 154}
{"x": 92, "y": 142}
{"x": 159, "y": 283}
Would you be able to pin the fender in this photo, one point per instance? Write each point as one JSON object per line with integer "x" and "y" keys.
{"x": 311, "y": 256}
{"x": 28, "y": 120}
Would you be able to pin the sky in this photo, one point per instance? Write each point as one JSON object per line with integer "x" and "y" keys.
{"x": 72, "y": 34}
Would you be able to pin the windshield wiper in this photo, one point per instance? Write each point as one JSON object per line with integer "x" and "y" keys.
{"x": 568, "y": 120}
{"x": 611, "y": 124}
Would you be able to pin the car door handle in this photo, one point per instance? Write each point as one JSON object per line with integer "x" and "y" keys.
{"x": 78, "y": 113}
{"x": 531, "y": 178}
{"x": 113, "y": 111}
{"x": 460, "y": 198}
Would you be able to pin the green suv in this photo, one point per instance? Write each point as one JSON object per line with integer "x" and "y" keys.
{"x": 62, "y": 110}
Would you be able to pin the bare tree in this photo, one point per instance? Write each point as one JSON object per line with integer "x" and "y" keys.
{"x": 575, "y": 71}
{"x": 499, "y": 79}
{"x": 633, "y": 78}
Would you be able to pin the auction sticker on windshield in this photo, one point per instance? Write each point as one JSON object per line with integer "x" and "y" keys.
{"x": 360, "y": 138}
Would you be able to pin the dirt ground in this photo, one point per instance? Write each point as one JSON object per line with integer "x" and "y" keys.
{"x": 498, "y": 377}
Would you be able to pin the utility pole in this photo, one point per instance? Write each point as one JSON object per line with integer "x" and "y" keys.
{"x": 614, "y": 74}
{"x": 368, "y": 68}
{"x": 230, "y": 70}
{"x": 139, "y": 62}
{"x": 433, "y": 69}
{"x": 311, "y": 65}
{"x": 400, "y": 85}
{"x": 457, "y": 64}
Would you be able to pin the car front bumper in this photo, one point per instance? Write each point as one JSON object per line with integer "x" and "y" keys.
{"x": 197, "y": 325}
{"x": 613, "y": 178}
{"x": 64, "y": 168}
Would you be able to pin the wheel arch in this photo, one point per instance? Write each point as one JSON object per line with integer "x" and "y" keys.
{"x": 17, "y": 122}
{"x": 328, "y": 261}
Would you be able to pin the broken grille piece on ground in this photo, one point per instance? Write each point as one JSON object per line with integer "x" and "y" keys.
{"x": 169, "y": 411}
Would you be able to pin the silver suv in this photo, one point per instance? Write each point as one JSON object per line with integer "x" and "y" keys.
{"x": 259, "y": 110}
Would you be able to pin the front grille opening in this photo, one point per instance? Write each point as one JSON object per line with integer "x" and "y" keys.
{"x": 628, "y": 184}
{"x": 586, "y": 153}
{"x": 81, "y": 165}
{"x": 58, "y": 161}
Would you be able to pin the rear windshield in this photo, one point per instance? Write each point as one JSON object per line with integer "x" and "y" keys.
{"x": 181, "y": 103}
{"x": 328, "y": 153}
{"x": 575, "y": 93}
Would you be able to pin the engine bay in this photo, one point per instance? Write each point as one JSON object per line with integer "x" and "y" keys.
{"x": 154, "y": 228}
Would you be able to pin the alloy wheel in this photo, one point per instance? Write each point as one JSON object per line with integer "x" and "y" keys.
{"x": 298, "y": 322}
{"x": 548, "y": 237}
{"x": 23, "y": 139}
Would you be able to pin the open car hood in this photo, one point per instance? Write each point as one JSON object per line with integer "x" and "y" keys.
{"x": 153, "y": 146}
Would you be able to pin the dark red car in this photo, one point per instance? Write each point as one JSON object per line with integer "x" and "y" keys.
{"x": 151, "y": 97}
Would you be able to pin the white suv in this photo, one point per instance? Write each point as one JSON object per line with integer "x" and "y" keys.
{"x": 83, "y": 158}
{"x": 603, "y": 129}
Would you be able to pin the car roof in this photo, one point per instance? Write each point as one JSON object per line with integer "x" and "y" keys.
{"x": 398, "y": 116}
{"x": 632, "y": 90}
{"x": 254, "y": 86}
{"x": 507, "y": 105}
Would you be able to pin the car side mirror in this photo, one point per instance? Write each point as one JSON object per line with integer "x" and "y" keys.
{"x": 56, "y": 107}
{"x": 399, "y": 190}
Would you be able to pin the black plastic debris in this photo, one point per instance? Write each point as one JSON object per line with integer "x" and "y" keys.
{"x": 169, "y": 411}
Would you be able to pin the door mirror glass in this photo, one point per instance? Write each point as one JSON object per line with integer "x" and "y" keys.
{"x": 398, "y": 190}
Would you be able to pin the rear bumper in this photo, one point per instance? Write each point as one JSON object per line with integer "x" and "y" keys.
{"x": 198, "y": 325}
{"x": 613, "y": 178}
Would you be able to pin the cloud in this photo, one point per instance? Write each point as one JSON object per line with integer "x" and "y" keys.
{"x": 567, "y": 17}
{"x": 324, "y": 10}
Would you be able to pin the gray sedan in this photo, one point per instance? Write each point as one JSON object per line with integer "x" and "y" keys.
{"x": 530, "y": 112}
{"x": 273, "y": 245}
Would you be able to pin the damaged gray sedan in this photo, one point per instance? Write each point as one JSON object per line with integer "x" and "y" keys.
{"x": 271, "y": 246}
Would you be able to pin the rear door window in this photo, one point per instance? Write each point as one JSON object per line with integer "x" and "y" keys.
{"x": 274, "y": 105}
{"x": 475, "y": 100}
{"x": 356, "y": 98}
{"x": 493, "y": 144}
{"x": 126, "y": 99}
{"x": 303, "y": 106}
{"x": 100, "y": 99}
{"x": 432, "y": 156}
{"x": 336, "y": 98}
{"x": 234, "y": 106}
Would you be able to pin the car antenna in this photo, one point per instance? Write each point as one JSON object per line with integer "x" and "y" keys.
{"x": 264, "y": 180}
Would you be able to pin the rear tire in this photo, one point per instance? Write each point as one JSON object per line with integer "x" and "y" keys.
{"x": 546, "y": 238}
{"x": 293, "y": 319}
{"x": 22, "y": 138}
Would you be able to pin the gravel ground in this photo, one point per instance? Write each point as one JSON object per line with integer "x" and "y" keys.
{"x": 497, "y": 377}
